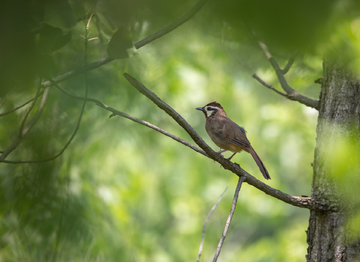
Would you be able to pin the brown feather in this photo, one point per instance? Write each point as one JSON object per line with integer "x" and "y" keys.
{"x": 227, "y": 135}
{"x": 259, "y": 163}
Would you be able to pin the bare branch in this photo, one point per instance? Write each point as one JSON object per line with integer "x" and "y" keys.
{"x": 77, "y": 124}
{"x": 28, "y": 127}
{"x": 291, "y": 93}
{"x": 139, "y": 121}
{"x": 228, "y": 221}
{"x": 290, "y": 63}
{"x": 304, "y": 202}
{"x": 22, "y": 105}
{"x": 62, "y": 150}
{"x": 268, "y": 85}
{"x": 22, "y": 123}
{"x": 114, "y": 113}
{"x": 205, "y": 223}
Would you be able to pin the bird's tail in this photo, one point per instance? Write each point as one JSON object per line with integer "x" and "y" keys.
{"x": 259, "y": 163}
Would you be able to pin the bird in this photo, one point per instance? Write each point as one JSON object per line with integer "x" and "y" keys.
{"x": 227, "y": 135}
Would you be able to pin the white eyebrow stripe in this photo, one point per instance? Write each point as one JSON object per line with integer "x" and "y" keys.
{"x": 212, "y": 107}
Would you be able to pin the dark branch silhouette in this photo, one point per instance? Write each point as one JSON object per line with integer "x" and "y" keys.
{"x": 28, "y": 127}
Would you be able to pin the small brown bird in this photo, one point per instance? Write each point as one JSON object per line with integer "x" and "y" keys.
{"x": 227, "y": 135}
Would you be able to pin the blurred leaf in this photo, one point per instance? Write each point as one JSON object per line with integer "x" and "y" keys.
{"x": 82, "y": 8}
{"x": 119, "y": 43}
{"x": 58, "y": 13}
{"x": 52, "y": 39}
{"x": 115, "y": 13}
{"x": 287, "y": 24}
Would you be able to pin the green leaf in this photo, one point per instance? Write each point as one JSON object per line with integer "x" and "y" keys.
{"x": 119, "y": 43}
{"x": 52, "y": 39}
{"x": 82, "y": 8}
{"x": 58, "y": 13}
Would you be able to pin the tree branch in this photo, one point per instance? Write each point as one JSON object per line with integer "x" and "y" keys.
{"x": 304, "y": 202}
{"x": 22, "y": 123}
{"x": 22, "y": 105}
{"x": 291, "y": 93}
{"x": 33, "y": 121}
{"x": 24, "y": 132}
{"x": 268, "y": 85}
{"x": 205, "y": 223}
{"x": 139, "y": 121}
{"x": 228, "y": 221}
{"x": 114, "y": 113}
{"x": 290, "y": 63}
{"x": 62, "y": 150}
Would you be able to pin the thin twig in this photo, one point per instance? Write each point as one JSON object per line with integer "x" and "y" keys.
{"x": 29, "y": 125}
{"x": 22, "y": 123}
{"x": 22, "y": 105}
{"x": 205, "y": 223}
{"x": 228, "y": 221}
{"x": 139, "y": 121}
{"x": 291, "y": 93}
{"x": 304, "y": 202}
{"x": 77, "y": 123}
{"x": 268, "y": 85}
{"x": 290, "y": 63}
{"x": 114, "y": 112}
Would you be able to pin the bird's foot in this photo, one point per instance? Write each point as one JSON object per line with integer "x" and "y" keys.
{"x": 221, "y": 151}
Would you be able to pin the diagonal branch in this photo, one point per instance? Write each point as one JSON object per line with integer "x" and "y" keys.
{"x": 22, "y": 123}
{"x": 114, "y": 113}
{"x": 139, "y": 121}
{"x": 290, "y": 63}
{"x": 268, "y": 85}
{"x": 205, "y": 223}
{"x": 33, "y": 121}
{"x": 290, "y": 93}
{"x": 228, "y": 221}
{"x": 65, "y": 146}
{"x": 22, "y": 105}
{"x": 304, "y": 202}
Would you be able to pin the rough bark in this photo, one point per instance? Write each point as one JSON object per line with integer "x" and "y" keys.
{"x": 328, "y": 235}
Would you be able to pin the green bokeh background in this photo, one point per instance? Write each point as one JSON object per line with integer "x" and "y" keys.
{"x": 123, "y": 192}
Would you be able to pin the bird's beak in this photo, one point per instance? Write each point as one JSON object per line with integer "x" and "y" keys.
{"x": 200, "y": 108}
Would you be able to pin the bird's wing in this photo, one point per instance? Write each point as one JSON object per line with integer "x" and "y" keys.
{"x": 238, "y": 138}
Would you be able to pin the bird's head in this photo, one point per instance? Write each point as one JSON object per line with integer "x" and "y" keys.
{"x": 211, "y": 109}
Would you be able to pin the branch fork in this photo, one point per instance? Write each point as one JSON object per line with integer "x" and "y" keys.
{"x": 290, "y": 93}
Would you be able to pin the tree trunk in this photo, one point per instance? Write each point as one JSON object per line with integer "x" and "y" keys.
{"x": 336, "y": 168}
